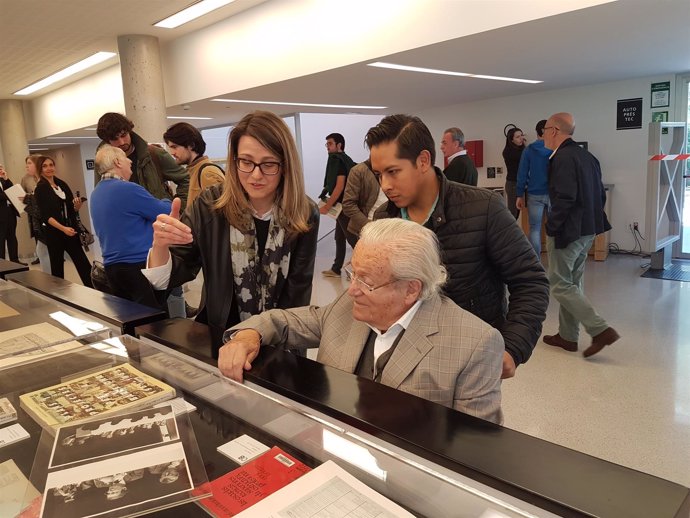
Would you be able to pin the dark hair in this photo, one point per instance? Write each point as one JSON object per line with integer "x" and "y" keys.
{"x": 509, "y": 139}
{"x": 185, "y": 135}
{"x": 540, "y": 127}
{"x": 408, "y": 131}
{"x": 39, "y": 163}
{"x": 110, "y": 125}
{"x": 338, "y": 139}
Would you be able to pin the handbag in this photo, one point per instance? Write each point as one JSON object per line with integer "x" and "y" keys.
{"x": 99, "y": 278}
{"x": 85, "y": 236}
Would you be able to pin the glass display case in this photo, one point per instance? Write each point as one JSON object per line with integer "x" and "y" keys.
{"x": 336, "y": 435}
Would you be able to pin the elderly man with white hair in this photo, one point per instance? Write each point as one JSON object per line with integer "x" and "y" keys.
{"x": 123, "y": 214}
{"x": 392, "y": 325}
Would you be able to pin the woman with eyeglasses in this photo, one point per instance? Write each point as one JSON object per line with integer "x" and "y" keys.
{"x": 254, "y": 236}
{"x": 59, "y": 211}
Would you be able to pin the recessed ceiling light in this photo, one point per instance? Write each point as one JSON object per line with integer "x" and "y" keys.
{"x": 53, "y": 143}
{"x": 68, "y": 136}
{"x": 310, "y": 105}
{"x": 95, "y": 59}
{"x": 191, "y": 118}
{"x": 406, "y": 68}
{"x": 39, "y": 149}
{"x": 192, "y": 12}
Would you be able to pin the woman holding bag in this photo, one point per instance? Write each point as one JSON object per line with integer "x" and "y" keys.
{"x": 59, "y": 208}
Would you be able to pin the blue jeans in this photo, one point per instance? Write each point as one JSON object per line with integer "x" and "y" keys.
{"x": 536, "y": 203}
{"x": 566, "y": 276}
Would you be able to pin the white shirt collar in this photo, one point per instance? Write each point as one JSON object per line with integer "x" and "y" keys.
{"x": 459, "y": 153}
{"x": 403, "y": 322}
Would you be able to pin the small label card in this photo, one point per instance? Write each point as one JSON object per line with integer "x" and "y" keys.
{"x": 243, "y": 449}
{"x": 11, "y": 434}
{"x": 179, "y": 406}
{"x": 7, "y": 411}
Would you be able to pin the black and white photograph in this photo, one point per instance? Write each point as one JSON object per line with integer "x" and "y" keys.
{"x": 121, "y": 485}
{"x": 114, "y": 435}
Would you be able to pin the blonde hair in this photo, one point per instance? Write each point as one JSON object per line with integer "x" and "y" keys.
{"x": 412, "y": 250}
{"x": 273, "y": 134}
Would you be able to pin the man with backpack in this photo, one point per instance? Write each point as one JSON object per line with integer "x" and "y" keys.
{"x": 187, "y": 147}
{"x": 337, "y": 169}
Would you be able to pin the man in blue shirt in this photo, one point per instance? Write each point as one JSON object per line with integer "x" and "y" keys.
{"x": 533, "y": 178}
{"x": 123, "y": 214}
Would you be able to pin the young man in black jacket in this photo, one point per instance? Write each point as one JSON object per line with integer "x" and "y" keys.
{"x": 484, "y": 250}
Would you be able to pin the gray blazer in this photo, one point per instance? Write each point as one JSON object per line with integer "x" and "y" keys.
{"x": 447, "y": 355}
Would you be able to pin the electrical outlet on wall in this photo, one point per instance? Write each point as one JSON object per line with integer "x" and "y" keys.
{"x": 636, "y": 225}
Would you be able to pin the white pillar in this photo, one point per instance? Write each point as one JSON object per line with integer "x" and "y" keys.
{"x": 142, "y": 85}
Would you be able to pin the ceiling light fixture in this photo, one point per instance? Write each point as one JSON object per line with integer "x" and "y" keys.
{"x": 89, "y": 62}
{"x": 309, "y": 105}
{"x": 406, "y": 68}
{"x": 192, "y": 12}
{"x": 190, "y": 118}
{"x": 54, "y": 144}
{"x": 68, "y": 136}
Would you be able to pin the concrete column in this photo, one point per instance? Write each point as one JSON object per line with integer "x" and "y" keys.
{"x": 142, "y": 84}
{"x": 14, "y": 150}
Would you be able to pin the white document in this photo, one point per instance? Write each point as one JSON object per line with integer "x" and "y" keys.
{"x": 334, "y": 211}
{"x": 179, "y": 406}
{"x": 243, "y": 449}
{"x": 325, "y": 491}
{"x": 14, "y": 194}
{"x": 11, "y": 434}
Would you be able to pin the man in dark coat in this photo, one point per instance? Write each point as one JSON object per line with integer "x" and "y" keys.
{"x": 483, "y": 248}
{"x": 577, "y": 215}
{"x": 8, "y": 220}
{"x": 460, "y": 167}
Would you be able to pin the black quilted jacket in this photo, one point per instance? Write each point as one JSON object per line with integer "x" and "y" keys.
{"x": 485, "y": 251}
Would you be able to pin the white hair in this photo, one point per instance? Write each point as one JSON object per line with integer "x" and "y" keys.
{"x": 106, "y": 156}
{"x": 412, "y": 250}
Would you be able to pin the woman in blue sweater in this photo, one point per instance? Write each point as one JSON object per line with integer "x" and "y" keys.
{"x": 122, "y": 214}
{"x": 533, "y": 177}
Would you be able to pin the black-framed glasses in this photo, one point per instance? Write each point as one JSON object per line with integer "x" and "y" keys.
{"x": 352, "y": 277}
{"x": 267, "y": 168}
{"x": 552, "y": 127}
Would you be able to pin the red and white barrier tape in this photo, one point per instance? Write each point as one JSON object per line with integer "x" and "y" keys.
{"x": 683, "y": 156}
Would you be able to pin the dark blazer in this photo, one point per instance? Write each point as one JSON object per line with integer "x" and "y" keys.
{"x": 485, "y": 251}
{"x": 6, "y": 211}
{"x": 462, "y": 170}
{"x": 210, "y": 251}
{"x": 577, "y": 195}
{"x": 52, "y": 206}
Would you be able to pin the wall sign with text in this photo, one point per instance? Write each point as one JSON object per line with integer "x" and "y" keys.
{"x": 661, "y": 94}
{"x": 629, "y": 114}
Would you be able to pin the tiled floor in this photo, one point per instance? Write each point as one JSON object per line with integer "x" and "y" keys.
{"x": 629, "y": 404}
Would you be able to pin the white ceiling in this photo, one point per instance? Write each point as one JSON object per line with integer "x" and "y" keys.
{"x": 614, "y": 41}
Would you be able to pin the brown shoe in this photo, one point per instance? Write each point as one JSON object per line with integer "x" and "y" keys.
{"x": 606, "y": 337}
{"x": 557, "y": 341}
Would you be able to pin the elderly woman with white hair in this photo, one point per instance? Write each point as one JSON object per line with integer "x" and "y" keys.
{"x": 123, "y": 214}
{"x": 392, "y": 325}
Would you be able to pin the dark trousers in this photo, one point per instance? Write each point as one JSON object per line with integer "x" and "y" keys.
{"x": 58, "y": 243}
{"x": 8, "y": 234}
{"x": 340, "y": 241}
{"x": 129, "y": 283}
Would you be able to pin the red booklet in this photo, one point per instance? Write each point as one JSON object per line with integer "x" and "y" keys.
{"x": 241, "y": 488}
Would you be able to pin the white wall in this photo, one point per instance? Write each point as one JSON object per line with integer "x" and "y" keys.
{"x": 622, "y": 154}
{"x": 77, "y": 105}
